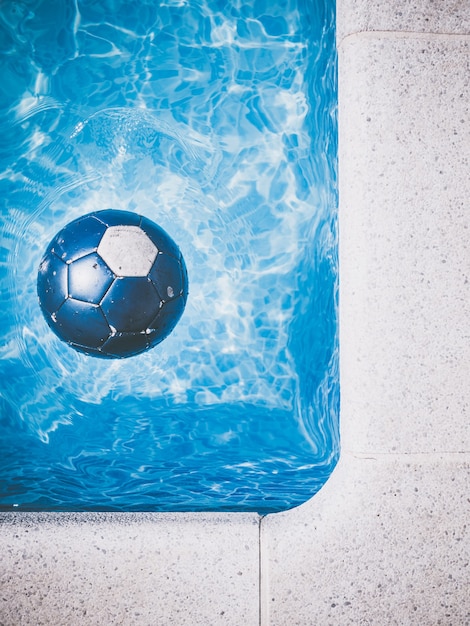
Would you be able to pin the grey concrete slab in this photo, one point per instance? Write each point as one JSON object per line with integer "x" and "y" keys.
{"x": 128, "y": 569}
{"x": 384, "y": 542}
{"x": 404, "y": 248}
{"x": 422, "y": 16}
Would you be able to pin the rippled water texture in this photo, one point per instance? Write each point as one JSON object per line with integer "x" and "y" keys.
{"x": 217, "y": 120}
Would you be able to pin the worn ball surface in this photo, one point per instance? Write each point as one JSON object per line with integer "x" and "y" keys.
{"x": 112, "y": 284}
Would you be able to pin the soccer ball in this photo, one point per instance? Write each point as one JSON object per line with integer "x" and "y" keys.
{"x": 112, "y": 284}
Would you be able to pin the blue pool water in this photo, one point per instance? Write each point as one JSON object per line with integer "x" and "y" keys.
{"x": 217, "y": 120}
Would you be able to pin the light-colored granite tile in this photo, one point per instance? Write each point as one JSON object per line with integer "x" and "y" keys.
{"x": 384, "y": 542}
{"x": 429, "y": 16}
{"x": 404, "y": 246}
{"x": 128, "y": 569}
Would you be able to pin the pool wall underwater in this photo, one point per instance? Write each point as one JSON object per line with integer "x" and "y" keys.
{"x": 385, "y": 541}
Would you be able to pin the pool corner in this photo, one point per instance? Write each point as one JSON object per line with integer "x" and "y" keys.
{"x": 384, "y": 540}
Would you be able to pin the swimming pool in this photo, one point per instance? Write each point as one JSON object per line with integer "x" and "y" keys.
{"x": 217, "y": 120}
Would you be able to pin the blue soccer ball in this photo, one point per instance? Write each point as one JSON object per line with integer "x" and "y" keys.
{"x": 112, "y": 284}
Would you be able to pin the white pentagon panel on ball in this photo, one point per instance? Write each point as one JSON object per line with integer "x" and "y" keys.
{"x": 127, "y": 250}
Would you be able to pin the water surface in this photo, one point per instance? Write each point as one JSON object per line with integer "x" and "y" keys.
{"x": 217, "y": 121}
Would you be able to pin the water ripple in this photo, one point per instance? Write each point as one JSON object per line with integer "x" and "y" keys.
{"x": 219, "y": 123}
